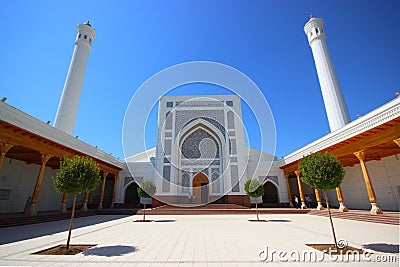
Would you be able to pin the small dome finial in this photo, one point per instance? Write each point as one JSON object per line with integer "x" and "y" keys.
{"x": 88, "y": 22}
{"x": 311, "y": 15}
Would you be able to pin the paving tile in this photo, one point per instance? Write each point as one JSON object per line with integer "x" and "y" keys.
{"x": 198, "y": 240}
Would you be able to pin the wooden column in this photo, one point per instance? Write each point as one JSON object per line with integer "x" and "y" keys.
{"x": 64, "y": 203}
{"x": 4, "y": 147}
{"x": 114, "y": 191}
{"x": 371, "y": 194}
{"x": 85, "y": 201}
{"x": 35, "y": 195}
{"x": 303, "y": 203}
{"x": 102, "y": 190}
{"x": 340, "y": 198}
{"x": 288, "y": 190}
{"x": 318, "y": 198}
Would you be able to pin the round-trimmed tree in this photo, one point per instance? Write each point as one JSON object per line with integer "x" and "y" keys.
{"x": 322, "y": 171}
{"x": 76, "y": 175}
{"x": 254, "y": 189}
{"x": 146, "y": 189}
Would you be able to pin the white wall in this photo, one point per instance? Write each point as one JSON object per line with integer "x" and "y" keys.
{"x": 21, "y": 178}
{"x": 268, "y": 168}
{"x": 385, "y": 177}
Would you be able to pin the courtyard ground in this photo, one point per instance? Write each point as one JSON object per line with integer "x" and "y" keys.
{"x": 200, "y": 240}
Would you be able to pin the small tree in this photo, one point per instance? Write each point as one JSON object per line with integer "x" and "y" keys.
{"x": 146, "y": 189}
{"x": 76, "y": 175}
{"x": 254, "y": 188}
{"x": 322, "y": 171}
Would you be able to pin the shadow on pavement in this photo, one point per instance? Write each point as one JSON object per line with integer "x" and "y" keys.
{"x": 279, "y": 220}
{"x": 24, "y": 232}
{"x": 165, "y": 221}
{"x": 109, "y": 251}
{"x": 383, "y": 247}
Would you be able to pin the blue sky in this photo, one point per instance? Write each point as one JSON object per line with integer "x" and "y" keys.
{"x": 136, "y": 39}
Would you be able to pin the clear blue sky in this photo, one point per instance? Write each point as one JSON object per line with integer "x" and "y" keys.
{"x": 136, "y": 39}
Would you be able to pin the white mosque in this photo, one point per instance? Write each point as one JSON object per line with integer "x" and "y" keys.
{"x": 200, "y": 155}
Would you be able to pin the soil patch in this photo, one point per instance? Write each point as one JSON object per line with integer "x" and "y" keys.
{"x": 62, "y": 250}
{"x": 331, "y": 249}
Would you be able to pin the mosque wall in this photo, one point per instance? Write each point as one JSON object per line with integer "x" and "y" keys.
{"x": 385, "y": 178}
{"x": 17, "y": 181}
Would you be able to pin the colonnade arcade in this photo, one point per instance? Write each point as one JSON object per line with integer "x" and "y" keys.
{"x": 22, "y": 145}
{"x": 374, "y": 144}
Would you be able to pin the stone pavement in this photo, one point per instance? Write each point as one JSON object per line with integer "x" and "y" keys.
{"x": 198, "y": 240}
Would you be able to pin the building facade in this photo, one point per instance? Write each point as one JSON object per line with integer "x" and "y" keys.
{"x": 201, "y": 155}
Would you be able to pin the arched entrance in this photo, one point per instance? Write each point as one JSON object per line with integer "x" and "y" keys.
{"x": 200, "y": 188}
{"x": 132, "y": 198}
{"x": 270, "y": 193}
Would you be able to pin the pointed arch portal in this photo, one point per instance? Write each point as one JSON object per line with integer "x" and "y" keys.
{"x": 270, "y": 193}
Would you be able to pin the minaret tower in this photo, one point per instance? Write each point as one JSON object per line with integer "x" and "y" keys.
{"x": 336, "y": 108}
{"x": 68, "y": 106}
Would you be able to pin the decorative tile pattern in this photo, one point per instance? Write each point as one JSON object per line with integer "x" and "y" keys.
{"x": 200, "y": 145}
{"x": 167, "y": 177}
{"x": 185, "y": 182}
{"x": 200, "y": 103}
{"x": 235, "y": 178}
{"x": 183, "y": 117}
{"x": 215, "y": 180}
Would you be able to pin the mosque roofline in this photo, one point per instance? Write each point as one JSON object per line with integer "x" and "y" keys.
{"x": 29, "y": 123}
{"x": 376, "y": 117}
{"x": 199, "y": 96}
{"x": 141, "y": 155}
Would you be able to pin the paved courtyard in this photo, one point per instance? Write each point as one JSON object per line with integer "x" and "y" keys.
{"x": 197, "y": 240}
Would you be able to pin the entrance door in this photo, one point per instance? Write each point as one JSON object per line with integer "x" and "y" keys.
{"x": 200, "y": 188}
{"x": 132, "y": 198}
{"x": 270, "y": 193}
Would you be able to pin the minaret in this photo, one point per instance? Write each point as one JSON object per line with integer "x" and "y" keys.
{"x": 68, "y": 106}
{"x": 336, "y": 108}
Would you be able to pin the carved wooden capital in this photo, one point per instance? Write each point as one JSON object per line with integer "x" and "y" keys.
{"x": 397, "y": 141}
{"x": 44, "y": 158}
{"x": 297, "y": 172}
{"x": 360, "y": 155}
{"x": 4, "y": 147}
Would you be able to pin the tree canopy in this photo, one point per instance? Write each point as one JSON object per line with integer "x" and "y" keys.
{"x": 321, "y": 171}
{"x": 146, "y": 189}
{"x": 77, "y": 174}
{"x": 254, "y": 188}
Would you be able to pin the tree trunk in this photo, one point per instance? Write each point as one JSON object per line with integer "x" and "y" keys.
{"x": 71, "y": 220}
{"x": 144, "y": 212}
{"x": 257, "y": 210}
{"x": 330, "y": 219}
